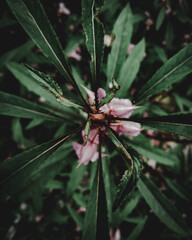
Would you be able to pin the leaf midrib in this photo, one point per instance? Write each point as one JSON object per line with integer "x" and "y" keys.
{"x": 32, "y": 160}
{"x": 161, "y": 79}
{"x": 49, "y": 44}
{"x": 31, "y": 111}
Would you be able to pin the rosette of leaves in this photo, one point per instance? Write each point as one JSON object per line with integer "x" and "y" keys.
{"x": 43, "y": 162}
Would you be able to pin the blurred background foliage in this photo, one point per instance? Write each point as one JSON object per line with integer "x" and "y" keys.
{"x": 56, "y": 209}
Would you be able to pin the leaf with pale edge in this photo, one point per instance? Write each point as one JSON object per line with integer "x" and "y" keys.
{"x": 33, "y": 19}
{"x": 17, "y": 171}
{"x": 94, "y": 33}
{"x": 12, "y": 105}
{"x": 180, "y": 124}
{"x": 52, "y": 87}
{"x": 171, "y": 72}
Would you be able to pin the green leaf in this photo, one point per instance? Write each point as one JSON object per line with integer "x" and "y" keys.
{"x": 23, "y": 76}
{"x": 46, "y": 172}
{"x": 137, "y": 230}
{"x": 94, "y": 33}
{"x": 16, "y": 172}
{"x": 12, "y": 105}
{"x": 176, "y": 188}
{"x": 160, "y": 18}
{"x": 75, "y": 178}
{"x": 180, "y": 124}
{"x": 109, "y": 183}
{"x": 144, "y": 147}
{"x": 18, "y": 136}
{"x": 76, "y": 217}
{"x": 134, "y": 165}
{"x": 122, "y": 31}
{"x": 130, "y": 68}
{"x": 121, "y": 215}
{"x": 52, "y": 87}
{"x": 96, "y": 223}
{"x": 110, "y": 95}
{"x": 171, "y": 72}
{"x": 161, "y": 206}
{"x": 87, "y": 129}
{"x": 16, "y": 54}
{"x": 33, "y": 19}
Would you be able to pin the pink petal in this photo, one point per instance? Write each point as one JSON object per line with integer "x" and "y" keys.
{"x": 87, "y": 153}
{"x": 93, "y": 136}
{"x": 90, "y": 95}
{"x": 119, "y": 108}
{"x": 95, "y": 157}
{"x": 63, "y": 9}
{"x": 77, "y": 148}
{"x": 127, "y": 127}
{"x": 74, "y": 54}
{"x": 101, "y": 94}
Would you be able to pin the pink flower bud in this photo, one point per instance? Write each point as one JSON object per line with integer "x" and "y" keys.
{"x": 127, "y": 127}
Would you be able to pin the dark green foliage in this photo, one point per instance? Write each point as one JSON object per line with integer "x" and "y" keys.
{"x": 141, "y": 187}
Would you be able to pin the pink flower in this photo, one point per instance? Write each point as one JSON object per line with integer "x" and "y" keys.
{"x": 88, "y": 152}
{"x": 121, "y": 108}
{"x": 75, "y": 54}
{"x": 62, "y": 9}
{"x": 115, "y": 235}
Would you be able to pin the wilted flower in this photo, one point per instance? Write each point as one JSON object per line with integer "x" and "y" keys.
{"x": 121, "y": 108}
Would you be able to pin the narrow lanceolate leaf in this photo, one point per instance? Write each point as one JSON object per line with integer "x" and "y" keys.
{"x": 176, "y": 188}
{"x": 17, "y": 171}
{"x": 137, "y": 230}
{"x": 130, "y": 68}
{"x": 180, "y": 124}
{"x": 17, "y": 54}
{"x": 161, "y": 206}
{"x": 171, "y": 72}
{"x": 134, "y": 164}
{"x": 94, "y": 33}
{"x": 24, "y": 77}
{"x": 75, "y": 178}
{"x": 12, "y": 105}
{"x": 96, "y": 222}
{"x": 33, "y": 19}
{"x": 122, "y": 31}
{"x": 52, "y": 87}
{"x": 87, "y": 129}
{"x": 160, "y": 18}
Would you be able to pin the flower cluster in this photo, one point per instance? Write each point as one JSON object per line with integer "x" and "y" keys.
{"x": 119, "y": 108}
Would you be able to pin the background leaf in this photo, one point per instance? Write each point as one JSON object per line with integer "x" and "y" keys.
{"x": 18, "y": 107}
{"x": 171, "y": 72}
{"x": 180, "y": 124}
{"x": 162, "y": 207}
{"x": 123, "y": 32}
{"x": 130, "y": 68}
